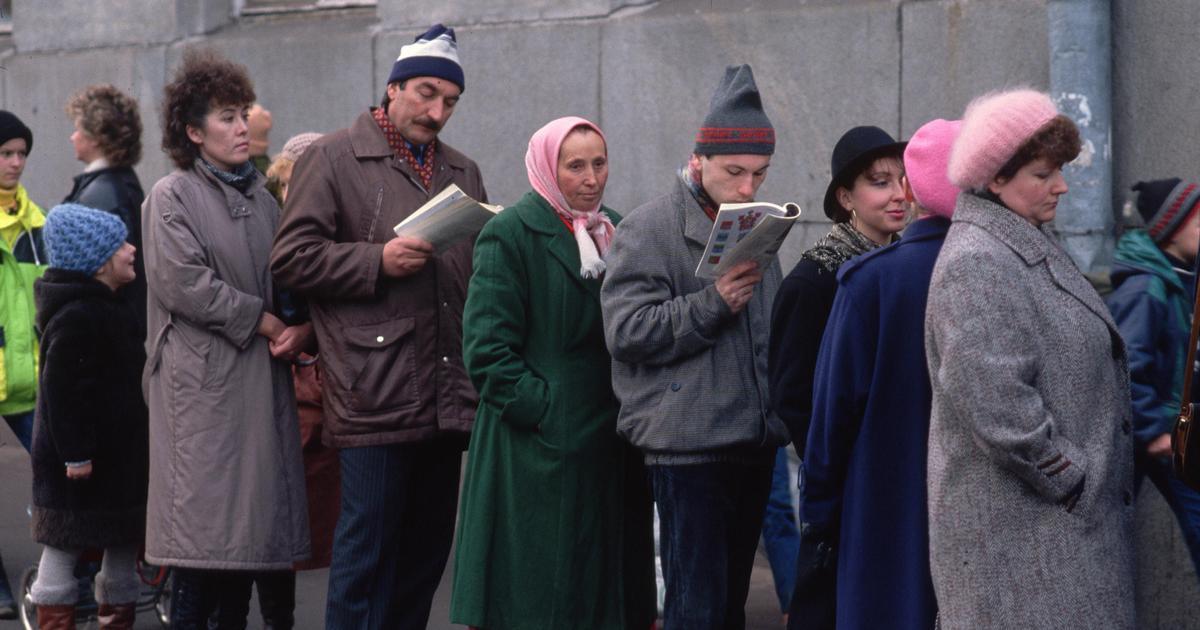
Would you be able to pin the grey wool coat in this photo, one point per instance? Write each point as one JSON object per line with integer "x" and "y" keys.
{"x": 1030, "y": 398}
{"x": 690, "y": 375}
{"x": 226, "y": 474}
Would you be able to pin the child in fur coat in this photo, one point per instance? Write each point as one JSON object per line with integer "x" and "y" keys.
{"x": 90, "y": 445}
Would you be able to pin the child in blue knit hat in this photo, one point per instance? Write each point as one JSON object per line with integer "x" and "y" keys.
{"x": 90, "y": 443}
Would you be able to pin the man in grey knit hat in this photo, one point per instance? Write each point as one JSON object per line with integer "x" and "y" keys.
{"x": 690, "y": 364}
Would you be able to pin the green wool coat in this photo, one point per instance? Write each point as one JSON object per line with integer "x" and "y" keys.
{"x": 555, "y": 523}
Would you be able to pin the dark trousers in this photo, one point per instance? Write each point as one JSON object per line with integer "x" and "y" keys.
{"x": 277, "y": 599}
{"x": 22, "y": 427}
{"x": 710, "y": 517}
{"x": 198, "y": 594}
{"x": 393, "y": 534}
{"x": 220, "y": 600}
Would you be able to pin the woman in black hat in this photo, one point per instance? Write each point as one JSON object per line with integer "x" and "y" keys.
{"x": 865, "y": 200}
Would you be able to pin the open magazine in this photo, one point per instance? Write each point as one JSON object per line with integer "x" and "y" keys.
{"x": 449, "y": 217}
{"x": 745, "y": 231}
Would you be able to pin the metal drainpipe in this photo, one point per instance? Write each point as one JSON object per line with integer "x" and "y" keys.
{"x": 1080, "y": 33}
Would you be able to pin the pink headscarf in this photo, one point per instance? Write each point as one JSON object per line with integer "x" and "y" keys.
{"x": 593, "y": 229}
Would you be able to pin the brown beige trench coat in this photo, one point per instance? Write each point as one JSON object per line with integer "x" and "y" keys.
{"x": 226, "y": 478}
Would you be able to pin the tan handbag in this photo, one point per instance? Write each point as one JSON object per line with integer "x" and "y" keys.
{"x": 1184, "y": 445}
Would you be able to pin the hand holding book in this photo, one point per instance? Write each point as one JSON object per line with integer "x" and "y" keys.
{"x": 447, "y": 218}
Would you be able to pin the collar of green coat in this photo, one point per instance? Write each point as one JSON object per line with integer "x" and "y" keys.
{"x": 539, "y": 216}
{"x": 1137, "y": 250}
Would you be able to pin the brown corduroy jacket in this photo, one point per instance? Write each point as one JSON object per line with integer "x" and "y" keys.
{"x": 391, "y": 348}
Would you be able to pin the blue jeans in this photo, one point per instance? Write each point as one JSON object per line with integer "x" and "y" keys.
{"x": 22, "y": 426}
{"x": 393, "y": 534}
{"x": 710, "y": 518}
{"x": 1184, "y": 501}
{"x": 779, "y": 533}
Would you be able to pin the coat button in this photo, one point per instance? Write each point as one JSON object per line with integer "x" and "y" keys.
{"x": 379, "y": 339}
{"x": 445, "y": 359}
{"x": 675, "y": 387}
{"x": 1127, "y": 497}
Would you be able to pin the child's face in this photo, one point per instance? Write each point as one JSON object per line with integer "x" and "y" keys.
{"x": 118, "y": 271}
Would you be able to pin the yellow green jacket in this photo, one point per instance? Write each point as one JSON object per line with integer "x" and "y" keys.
{"x": 20, "y": 265}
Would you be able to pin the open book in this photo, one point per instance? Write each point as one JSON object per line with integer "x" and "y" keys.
{"x": 447, "y": 218}
{"x": 745, "y": 231}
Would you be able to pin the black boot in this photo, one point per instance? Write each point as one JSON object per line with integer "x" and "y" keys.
{"x": 8, "y": 605}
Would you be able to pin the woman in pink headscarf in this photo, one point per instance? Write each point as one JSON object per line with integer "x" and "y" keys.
{"x": 554, "y": 530}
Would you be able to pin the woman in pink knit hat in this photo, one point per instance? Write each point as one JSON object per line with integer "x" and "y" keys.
{"x": 1030, "y": 448}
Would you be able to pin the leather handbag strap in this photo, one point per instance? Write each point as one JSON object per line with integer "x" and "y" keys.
{"x": 1185, "y": 406}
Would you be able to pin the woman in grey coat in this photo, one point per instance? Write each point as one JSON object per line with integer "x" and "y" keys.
{"x": 226, "y": 496}
{"x": 1030, "y": 446}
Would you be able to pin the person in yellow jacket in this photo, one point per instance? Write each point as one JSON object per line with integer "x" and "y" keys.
{"x": 22, "y": 260}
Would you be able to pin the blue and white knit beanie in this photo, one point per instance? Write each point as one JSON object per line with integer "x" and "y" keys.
{"x": 433, "y": 54}
{"x": 79, "y": 238}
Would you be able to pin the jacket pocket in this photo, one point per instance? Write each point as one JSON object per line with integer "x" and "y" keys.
{"x": 382, "y": 366}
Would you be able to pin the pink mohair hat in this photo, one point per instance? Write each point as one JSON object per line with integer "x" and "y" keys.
{"x": 925, "y": 162}
{"x": 994, "y": 126}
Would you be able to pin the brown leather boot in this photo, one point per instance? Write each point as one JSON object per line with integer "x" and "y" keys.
{"x": 59, "y": 617}
{"x": 115, "y": 616}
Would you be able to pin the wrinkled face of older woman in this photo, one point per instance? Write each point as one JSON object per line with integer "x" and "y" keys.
{"x": 582, "y": 169}
{"x": 876, "y": 200}
{"x": 224, "y": 138}
{"x": 1033, "y": 191}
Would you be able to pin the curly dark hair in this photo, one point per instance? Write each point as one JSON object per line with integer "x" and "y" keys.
{"x": 205, "y": 80}
{"x": 111, "y": 118}
{"x": 1056, "y": 141}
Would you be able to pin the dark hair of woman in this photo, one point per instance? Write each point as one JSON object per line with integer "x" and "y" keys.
{"x": 1057, "y": 142}
{"x": 111, "y": 118}
{"x": 203, "y": 81}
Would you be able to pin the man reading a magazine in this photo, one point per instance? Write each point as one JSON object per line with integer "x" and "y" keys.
{"x": 387, "y": 311}
{"x": 690, "y": 364}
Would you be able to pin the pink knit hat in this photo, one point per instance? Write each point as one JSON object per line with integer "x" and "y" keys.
{"x": 925, "y": 162}
{"x": 994, "y": 127}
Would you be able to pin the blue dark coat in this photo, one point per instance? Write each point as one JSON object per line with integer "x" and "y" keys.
{"x": 1152, "y": 305}
{"x": 864, "y": 463}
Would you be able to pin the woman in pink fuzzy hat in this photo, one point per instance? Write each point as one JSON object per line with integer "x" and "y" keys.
{"x": 1030, "y": 447}
{"x": 864, "y": 461}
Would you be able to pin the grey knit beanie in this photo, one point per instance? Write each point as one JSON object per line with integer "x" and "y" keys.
{"x": 79, "y": 238}
{"x": 736, "y": 123}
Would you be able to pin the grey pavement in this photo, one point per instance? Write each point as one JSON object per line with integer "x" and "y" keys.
{"x": 20, "y": 552}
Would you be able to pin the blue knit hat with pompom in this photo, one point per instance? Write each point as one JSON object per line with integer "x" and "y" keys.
{"x": 79, "y": 238}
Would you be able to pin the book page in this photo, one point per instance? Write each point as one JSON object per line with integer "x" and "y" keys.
{"x": 447, "y": 218}
{"x": 743, "y": 232}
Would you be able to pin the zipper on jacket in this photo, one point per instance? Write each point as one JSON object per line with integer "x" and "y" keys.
{"x": 375, "y": 217}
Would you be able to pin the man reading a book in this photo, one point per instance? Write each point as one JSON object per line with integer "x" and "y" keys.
{"x": 690, "y": 364}
{"x": 387, "y": 311}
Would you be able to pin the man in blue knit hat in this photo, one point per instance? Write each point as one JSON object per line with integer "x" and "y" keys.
{"x": 387, "y": 311}
{"x": 690, "y": 364}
